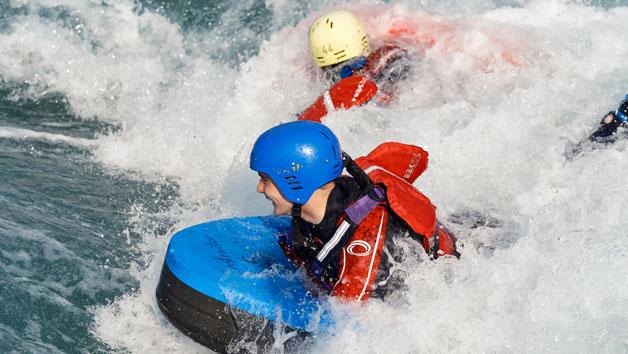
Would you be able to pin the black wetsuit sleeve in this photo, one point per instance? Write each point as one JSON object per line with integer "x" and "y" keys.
{"x": 398, "y": 69}
{"x": 604, "y": 133}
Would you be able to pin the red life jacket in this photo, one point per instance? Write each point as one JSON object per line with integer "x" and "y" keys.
{"x": 357, "y": 89}
{"x": 394, "y": 166}
{"x": 350, "y": 92}
{"x": 397, "y": 166}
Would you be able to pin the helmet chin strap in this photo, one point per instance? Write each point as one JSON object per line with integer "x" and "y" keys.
{"x": 297, "y": 236}
{"x": 296, "y": 210}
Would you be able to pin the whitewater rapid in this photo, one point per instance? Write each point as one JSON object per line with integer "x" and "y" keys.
{"x": 497, "y": 95}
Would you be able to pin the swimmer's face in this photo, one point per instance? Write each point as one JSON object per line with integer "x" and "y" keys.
{"x": 267, "y": 187}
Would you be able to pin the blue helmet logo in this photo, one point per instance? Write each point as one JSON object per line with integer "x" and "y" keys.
{"x": 299, "y": 157}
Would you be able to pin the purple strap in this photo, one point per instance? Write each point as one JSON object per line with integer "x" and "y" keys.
{"x": 317, "y": 271}
{"x": 363, "y": 207}
{"x": 288, "y": 238}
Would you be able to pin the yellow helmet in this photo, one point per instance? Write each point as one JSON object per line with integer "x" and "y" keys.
{"x": 337, "y": 36}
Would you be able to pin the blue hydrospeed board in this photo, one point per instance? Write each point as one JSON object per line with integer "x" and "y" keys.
{"x": 239, "y": 262}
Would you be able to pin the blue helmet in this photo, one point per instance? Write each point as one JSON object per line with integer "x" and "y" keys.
{"x": 299, "y": 157}
{"x": 622, "y": 111}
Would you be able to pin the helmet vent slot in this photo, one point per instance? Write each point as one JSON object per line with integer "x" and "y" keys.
{"x": 293, "y": 182}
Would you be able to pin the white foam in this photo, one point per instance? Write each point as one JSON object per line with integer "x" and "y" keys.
{"x": 20, "y": 133}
